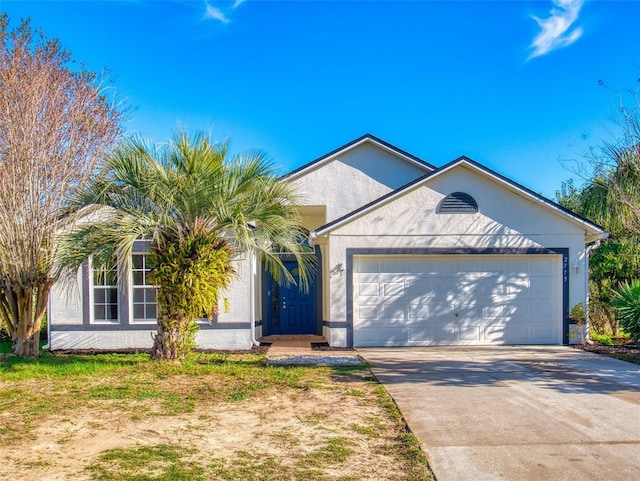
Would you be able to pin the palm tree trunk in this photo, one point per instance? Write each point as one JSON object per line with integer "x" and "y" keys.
{"x": 175, "y": 338}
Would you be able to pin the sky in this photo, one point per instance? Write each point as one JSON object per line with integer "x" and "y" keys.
{"x": 523, "y": 87}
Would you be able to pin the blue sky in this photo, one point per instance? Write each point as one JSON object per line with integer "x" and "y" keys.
{"x": 513, "y": 85}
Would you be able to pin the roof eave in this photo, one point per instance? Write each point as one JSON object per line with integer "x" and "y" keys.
{"x": 592, "y": 230}
{"x": 354, "y": 143}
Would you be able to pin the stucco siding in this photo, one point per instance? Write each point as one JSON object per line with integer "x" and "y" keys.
{"x": 237, "y": 296}
{"x": 353, "y": 179}
{"x": 142, "y": 339}
{"x": 65, "y": 304}
{"x": 71, "y": 329}
{"x": 502, "y": 214}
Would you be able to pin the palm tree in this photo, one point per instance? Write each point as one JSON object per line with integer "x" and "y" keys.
{"x": 198, "y": 208}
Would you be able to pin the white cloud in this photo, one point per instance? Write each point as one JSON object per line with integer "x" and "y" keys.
{"x": 558, "y": 30}
{"x": 237, "y": 3}
{"x": 215, "y": 13}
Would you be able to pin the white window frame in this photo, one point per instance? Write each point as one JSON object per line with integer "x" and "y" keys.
{"x": 132, "y": 290}
{"x": 92, "y": 300}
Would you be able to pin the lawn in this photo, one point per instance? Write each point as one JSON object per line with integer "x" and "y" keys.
{"x": 213, "y": 417}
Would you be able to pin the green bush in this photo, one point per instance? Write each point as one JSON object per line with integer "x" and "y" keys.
{"x": 627, "y": 305}
{"x": 602, "y": 339}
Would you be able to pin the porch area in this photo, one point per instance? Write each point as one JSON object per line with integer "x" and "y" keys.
{"x": 306, "y": 349}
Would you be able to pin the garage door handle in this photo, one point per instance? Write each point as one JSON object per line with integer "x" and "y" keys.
{"x": 456, "y": 314}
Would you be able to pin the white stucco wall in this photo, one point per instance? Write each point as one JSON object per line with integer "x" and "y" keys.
{"x": 142, "y": 339}
{"x": 67, "y": 331}
{"x": 237, "y": 295}
{"x": 354, "y": 178}
{"x": 65, "y": 304}
{"x": 505, "y": 220}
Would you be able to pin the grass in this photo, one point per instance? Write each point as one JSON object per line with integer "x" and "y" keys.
{"x": 158, "y": 463}
{"x": 317, "y": 444}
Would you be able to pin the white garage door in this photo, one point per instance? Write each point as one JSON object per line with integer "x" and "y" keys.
{"x": 455, "y": 299}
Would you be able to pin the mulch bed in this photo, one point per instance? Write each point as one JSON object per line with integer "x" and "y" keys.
{"x": 626, "y": 352}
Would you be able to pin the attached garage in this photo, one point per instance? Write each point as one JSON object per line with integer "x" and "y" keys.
{"x": 477, "y": 299}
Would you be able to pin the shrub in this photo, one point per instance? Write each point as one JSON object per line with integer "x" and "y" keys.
{"x": 627, "y": 305}
{"x": 602, "y": 339}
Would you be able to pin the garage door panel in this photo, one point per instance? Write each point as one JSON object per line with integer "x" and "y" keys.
{"x": 544, "y": 331}
{"x": 394, "y": 289}
{"x": 541, "y": 266}
{"x": 388, "y": 337}
{"x": 395, "y": 312}
{"x": 497, "y": 299}
{"x": 368, "y": 289}
{"x": 469, "y": 333}
{"x": 419, "y": 312}
{"x": 426, "y": 335}
{"x": 492, "y": 312}
{"x": 393, "y": 265}
{"x": 520, "y": 266}
{"x": 367, "y": 313}
{"x": 541, "y": 310}
{"x": 367, "y": 265}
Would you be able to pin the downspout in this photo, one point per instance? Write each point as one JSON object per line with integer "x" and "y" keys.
{"x": 588, "y": 250}
{"x": 252, "y": 300}
{"x": 47, "y": 346}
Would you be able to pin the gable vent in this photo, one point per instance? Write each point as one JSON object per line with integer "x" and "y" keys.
{"x": 458, "y": 202}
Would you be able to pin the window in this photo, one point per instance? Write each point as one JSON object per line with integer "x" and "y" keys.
{"x": 105, "y": 294}
{"x": 145, "y": 306}
{"x": 458, "y": 202}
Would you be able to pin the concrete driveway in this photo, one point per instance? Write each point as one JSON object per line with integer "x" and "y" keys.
{"x": 517, "y": 413}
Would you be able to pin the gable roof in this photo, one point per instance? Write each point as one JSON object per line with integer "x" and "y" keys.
{"x": 595, "y": 230}
{"x": 366, "y": 138}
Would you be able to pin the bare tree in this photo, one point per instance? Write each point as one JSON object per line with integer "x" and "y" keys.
{"x": 56, "y": 124}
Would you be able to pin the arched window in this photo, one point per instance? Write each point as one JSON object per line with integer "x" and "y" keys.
{"x": 457, "y": 203}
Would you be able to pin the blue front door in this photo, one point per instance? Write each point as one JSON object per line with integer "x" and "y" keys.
{"x": 292, "y": 309}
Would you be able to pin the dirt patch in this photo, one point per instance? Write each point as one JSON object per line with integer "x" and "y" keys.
{"x": 330, "y": 425}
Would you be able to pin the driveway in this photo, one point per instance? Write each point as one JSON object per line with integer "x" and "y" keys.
{"x": 517, "y": 413}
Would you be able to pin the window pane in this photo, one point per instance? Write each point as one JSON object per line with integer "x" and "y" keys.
{"x": 151, "y": 311}
{"x": 99, "y": 296}
{"x": 137, "y": 279}
{"x": 98, "y": 313}
{"x": 150, "y": 294}
{"x": 111, "y": 279}
{"x": 112, "y": 296}
{"x": 137, "y": 261}
{"x": 138, "y": 311}
{"x": 138, "y": 295}
{"x": 112, "y": 311}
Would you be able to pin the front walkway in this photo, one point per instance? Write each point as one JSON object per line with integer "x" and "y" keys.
{"x": 298, "y": 350}
{"x": 519, "y": 413}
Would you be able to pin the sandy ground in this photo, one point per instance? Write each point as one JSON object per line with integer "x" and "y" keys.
{"x": 285, "y": 423}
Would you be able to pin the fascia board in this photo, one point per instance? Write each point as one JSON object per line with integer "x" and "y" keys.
{"x": 590, "y": 228}
{"x": 367, "y": 138}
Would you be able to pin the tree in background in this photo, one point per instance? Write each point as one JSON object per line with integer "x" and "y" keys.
{"x": 611, "y": 198}
{"x": 198, "y": 208}
{"x": 56, "y": 123}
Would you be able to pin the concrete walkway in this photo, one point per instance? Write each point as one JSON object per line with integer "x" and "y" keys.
{"x": 298, "y": 350}
{"x": 517, "y": 413}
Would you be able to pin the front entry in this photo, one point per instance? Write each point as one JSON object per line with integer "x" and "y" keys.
{"x": 291, "y": 310}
